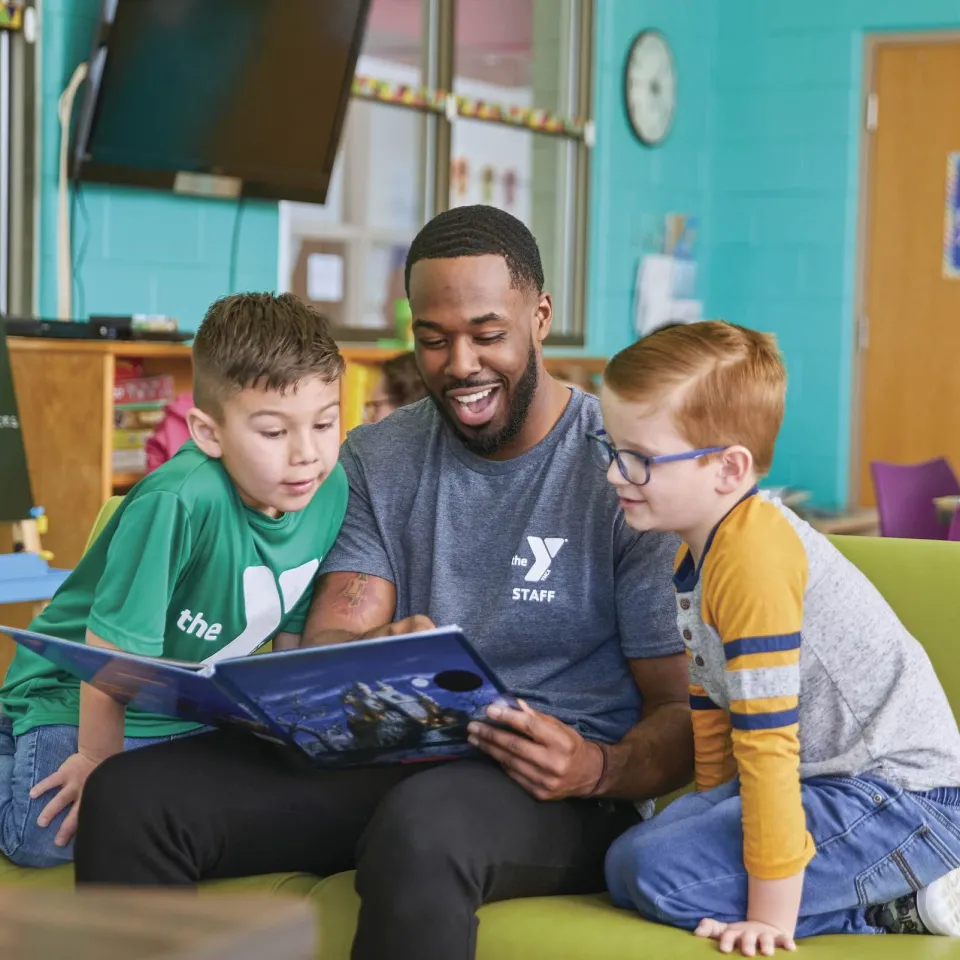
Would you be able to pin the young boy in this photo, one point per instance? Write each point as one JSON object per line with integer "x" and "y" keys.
{"x": 827, "y": 756}
{"x": 210, "y": 556}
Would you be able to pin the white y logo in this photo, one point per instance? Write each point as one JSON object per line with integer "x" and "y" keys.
{"x": 263, "y": 608}
{"x": 543, "y": 553}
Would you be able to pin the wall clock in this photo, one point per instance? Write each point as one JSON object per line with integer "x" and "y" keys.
{"x": 650, "y": 87}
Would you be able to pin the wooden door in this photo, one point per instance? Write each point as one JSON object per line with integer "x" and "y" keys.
{"x": 910, "y": 334}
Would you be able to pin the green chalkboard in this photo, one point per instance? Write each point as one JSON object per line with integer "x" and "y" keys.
{"x": 16, "y": 500}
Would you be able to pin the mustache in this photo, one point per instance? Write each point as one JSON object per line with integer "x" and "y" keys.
{"x": 469, "y": 385}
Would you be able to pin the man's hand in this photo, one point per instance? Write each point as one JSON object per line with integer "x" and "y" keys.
{"x": 748, "y": 936}
{"x": 70, "y": 778}
{"x": 414, "y": 624}
{"x": 547, "y": 758}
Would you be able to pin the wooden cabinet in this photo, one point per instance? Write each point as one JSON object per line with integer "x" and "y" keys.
{"x": 65, "y": 398}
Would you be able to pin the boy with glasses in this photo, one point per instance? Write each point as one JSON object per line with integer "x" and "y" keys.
{"x": 827, "y": 755}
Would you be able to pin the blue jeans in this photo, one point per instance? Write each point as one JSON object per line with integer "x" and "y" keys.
{"x": 24, "y": 762}
{"x": 875, "y": 842}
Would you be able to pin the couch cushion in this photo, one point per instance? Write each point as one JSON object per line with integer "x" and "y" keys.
{"x": 61, "y": 878}
{"x": 55, "y": 878}
{"x": 576, "y": 928}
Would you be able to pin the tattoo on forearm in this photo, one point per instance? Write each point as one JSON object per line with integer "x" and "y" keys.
{"x": 355, "y": 589}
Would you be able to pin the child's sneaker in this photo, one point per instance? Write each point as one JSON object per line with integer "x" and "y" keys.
{"x": 939, "y": 905}
{"x": 934, "y": 909}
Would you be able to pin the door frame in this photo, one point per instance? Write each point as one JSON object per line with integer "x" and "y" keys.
{"x": 872, "y": 43}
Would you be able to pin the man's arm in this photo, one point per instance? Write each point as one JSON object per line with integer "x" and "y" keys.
{"x": 355, "y": 606}
{"x": 656, "y": 756}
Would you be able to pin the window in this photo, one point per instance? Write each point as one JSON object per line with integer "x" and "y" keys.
{"x": 508, "y": 136}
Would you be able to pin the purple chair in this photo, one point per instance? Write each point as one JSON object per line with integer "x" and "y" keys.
{"x": 905, "y": 495}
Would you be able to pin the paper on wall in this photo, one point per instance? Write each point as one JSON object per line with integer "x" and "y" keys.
{"x": 325, "y": 277}
{"x": 665, "y": 287}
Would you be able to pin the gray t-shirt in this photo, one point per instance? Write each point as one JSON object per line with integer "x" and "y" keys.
{"x": 530, "y": 556}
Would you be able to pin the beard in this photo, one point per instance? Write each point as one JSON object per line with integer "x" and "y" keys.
{"x": 485, "y": 441}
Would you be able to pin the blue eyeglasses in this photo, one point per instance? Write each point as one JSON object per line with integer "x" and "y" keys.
{"x": 635, "y": 467}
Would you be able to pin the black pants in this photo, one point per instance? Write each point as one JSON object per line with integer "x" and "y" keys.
{"x": 430, "y": 843}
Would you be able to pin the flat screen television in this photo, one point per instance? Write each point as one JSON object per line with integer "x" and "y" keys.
{"x": 219, "y": 97}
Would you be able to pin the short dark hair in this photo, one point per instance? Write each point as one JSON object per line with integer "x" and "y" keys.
{"x": 402, "y": 380}
{"x": 477, "y": 231}
{"x": 259, "y": 339}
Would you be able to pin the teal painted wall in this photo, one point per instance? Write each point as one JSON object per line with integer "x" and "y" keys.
{"x": 784, "y": 189}
{"x": 766, "y": 148}
{"x": 632, "y": 186}
{"x": 146, "y": 251}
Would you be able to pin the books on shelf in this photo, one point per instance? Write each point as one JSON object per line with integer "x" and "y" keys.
{"x": 138, "y": 407}
{"x": 143, "y": 389}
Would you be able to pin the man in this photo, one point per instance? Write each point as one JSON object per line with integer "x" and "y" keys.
{"x": 478, "y": 506}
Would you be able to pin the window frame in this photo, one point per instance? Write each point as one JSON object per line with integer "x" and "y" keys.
{"x": 438, "y": 75}
{"x": 19, "y": 206}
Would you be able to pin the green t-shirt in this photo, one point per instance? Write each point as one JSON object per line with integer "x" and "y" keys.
{"x": 185, "y": 570}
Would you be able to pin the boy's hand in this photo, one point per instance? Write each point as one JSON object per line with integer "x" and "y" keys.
{"x": 749, "y": 935}
{"x": 71, "y": 777}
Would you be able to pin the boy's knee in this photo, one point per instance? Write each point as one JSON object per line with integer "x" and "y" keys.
{"x": 618, "y": 867}
{"x": 23, "y": 764}
{"x": 632, "y": 871}
{"x": 38, "y": 849}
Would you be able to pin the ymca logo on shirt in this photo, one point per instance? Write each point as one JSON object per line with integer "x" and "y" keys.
{"x": 265, "y": 602}
{"x": 537, "y": 568}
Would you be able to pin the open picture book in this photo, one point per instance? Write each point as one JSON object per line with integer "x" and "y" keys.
{"x": 390, "y": 700}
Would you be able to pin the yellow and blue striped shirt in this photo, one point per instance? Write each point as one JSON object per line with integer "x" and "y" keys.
{"x": 798, "y": 668}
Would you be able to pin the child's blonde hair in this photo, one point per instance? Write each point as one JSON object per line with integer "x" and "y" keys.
{"x": 729, "y": 384}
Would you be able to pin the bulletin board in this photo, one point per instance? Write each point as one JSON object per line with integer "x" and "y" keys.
{"x": 16, "y": 498}
{"x": 951, "y": 224}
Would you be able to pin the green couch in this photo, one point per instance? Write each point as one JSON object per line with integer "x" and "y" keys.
{"x": 922, "y": 581}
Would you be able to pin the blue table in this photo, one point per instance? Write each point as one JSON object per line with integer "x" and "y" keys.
{"x": 28, "y": 578}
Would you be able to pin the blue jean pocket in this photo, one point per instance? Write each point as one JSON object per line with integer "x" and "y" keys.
{"x": 922, "y": 858}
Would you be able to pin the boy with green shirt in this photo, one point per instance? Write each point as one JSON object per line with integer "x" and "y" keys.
{"x": 208, "y": 557}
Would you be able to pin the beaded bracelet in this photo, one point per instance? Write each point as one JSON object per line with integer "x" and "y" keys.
{"x": 603, "y": 768}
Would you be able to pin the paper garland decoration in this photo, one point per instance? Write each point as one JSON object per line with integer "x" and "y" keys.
{"x": 424, "y": 98}
{"x": 435, "y": 101}
{"x": 11, "y": 16}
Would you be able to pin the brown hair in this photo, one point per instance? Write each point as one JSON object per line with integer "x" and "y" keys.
{"x": 731, "y": 383}
{"x": 402, "y": 380}
{"x": 262, "y": 340}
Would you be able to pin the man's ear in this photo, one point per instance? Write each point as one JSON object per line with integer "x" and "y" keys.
{"x": 205, "y": 432}
{"x": 543, "y": 317}
{"x": 736, "y": 466}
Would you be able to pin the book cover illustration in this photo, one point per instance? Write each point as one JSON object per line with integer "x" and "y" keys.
{"x": 388, "y": 700}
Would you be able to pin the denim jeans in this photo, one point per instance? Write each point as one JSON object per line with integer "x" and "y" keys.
{"x": 875, "y": 842}
{"x": 24, "y": 762}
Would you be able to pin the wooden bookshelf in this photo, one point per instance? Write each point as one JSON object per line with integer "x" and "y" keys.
{"x": 65, "y": 397}
{"x": 123, "y": 481}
